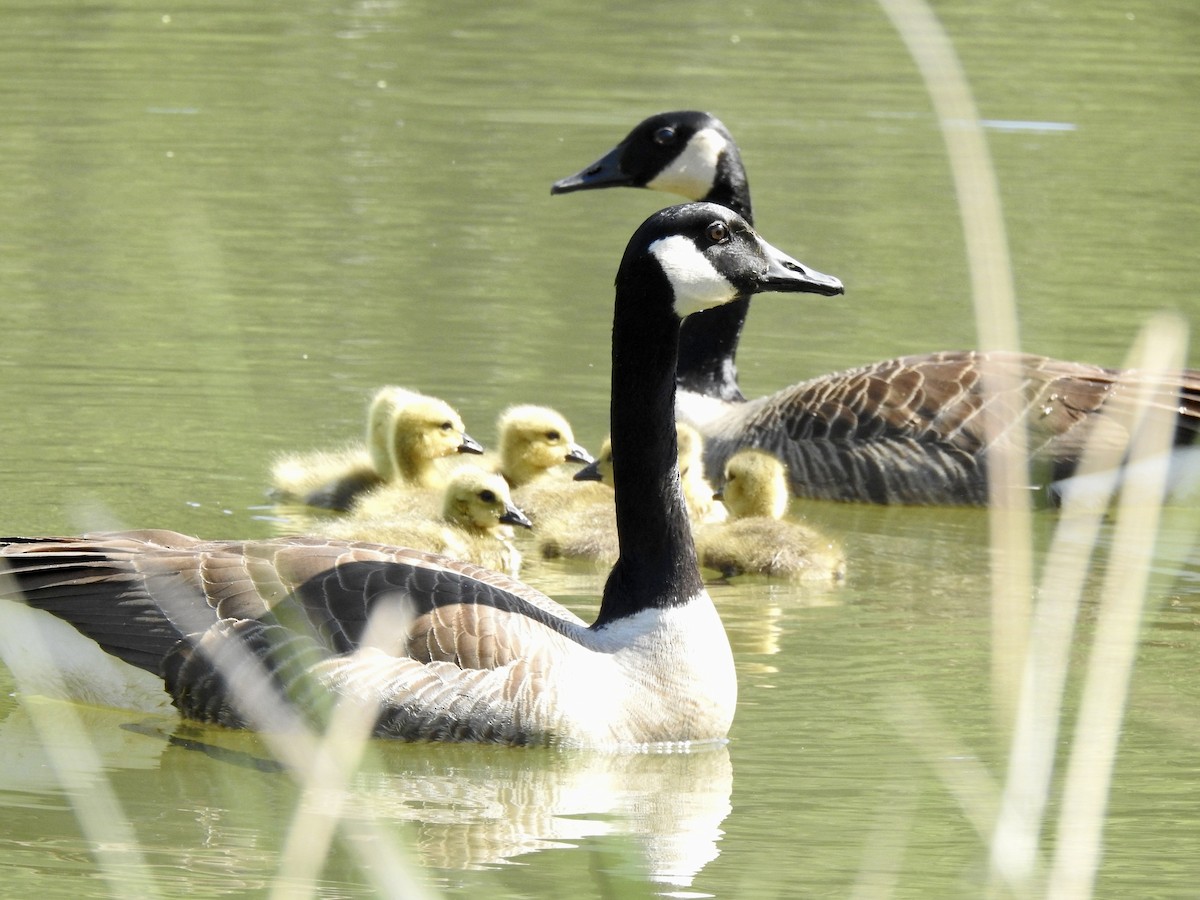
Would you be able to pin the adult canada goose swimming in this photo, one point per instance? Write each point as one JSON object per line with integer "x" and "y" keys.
{"x": 475, "y": 523}
{"x": 756, "y": 540}
{"x": 481, "y": 657}
{"x": 407, "y": 433}
{"x": 908, "y": 430}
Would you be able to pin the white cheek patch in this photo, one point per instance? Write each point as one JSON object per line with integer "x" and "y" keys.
{"x": 692, "y": 173}
{"x": 696, "y": 283}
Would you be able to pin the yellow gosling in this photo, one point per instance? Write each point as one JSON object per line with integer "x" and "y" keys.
{"x": 406, "y": 433}
{"x": 586, "y": 527}
{"x": 475, "y": 524}
{"x": 534, "y": 440}
{"x": 757, "y": 540}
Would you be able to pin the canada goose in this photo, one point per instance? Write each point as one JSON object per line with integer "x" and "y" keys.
{"x": 756, "y": 540}
{"x": 474, "y": 525}
{"x": 481, "y": 656}
{"x": 406, "y": 433}
{"x": 908, "y": 430}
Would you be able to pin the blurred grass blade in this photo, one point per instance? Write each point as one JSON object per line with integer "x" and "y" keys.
{"x": 1078, "y": 845}
{"x": 79, "y": 770}
{"x": 994, "y": 302}
{"x": 1035, "y": 738}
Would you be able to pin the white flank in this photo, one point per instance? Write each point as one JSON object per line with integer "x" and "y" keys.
{"x": 692, "y": 172}
{"x": 696, "y": 283}
{"x": 1096, "y": 489}
{"x": 49, "y": 657}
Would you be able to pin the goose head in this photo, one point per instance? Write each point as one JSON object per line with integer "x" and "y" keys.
{"x": 690, "y": 153}
{"x": 686, "y": 152}
{"x": 480, "y": 501}
{"x": 708, "y": 255}
{"x": 533, "y": 440}
{"x": 754, "y": 484}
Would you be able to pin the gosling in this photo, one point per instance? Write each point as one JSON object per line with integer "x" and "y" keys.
{"x": 407, "y": 433}
{"x": 475, "y": 523}
{"x": 586, "y": 528}
{"x": 757, "y": 540}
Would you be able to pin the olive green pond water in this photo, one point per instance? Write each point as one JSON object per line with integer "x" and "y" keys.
{"x": 223, "y": 224}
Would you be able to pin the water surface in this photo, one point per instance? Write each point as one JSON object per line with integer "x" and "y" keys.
{"x": 224, "y": 225}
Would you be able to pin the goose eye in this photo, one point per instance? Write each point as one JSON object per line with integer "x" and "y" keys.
{"x": 447, "y": 426}
{"x": 718, "y": 232}
{"x": 664, "y": 135}
{"x": 553, "y": 436}
{"x": 487, "y": 496}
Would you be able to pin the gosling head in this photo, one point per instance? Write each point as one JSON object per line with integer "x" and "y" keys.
{"x": 755, "y": 484}
{"x": 480, "y": 501}
{"x": 533, "y": 440}
{"x": 425, "y": 429}
{"x": 601, "y": 468}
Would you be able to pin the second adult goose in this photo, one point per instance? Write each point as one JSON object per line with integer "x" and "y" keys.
{"x": 908, "y": 430}
{"x": 480, "y": 657}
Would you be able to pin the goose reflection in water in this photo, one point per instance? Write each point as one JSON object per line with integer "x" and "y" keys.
{"x": 469, "y": 807}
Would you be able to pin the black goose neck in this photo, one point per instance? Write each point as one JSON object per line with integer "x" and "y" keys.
{"x": 730, "y": 186}
{"x": 708, "y": 340}
{"x": 657, "y": 567}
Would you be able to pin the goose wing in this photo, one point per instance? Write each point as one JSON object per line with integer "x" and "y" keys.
{"x": 155, "y": 598}
{"x": 410, "y": 699}
{"x": 913, "y": 429}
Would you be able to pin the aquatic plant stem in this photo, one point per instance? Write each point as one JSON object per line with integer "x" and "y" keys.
{"x": 994, "y": 302}
{"x": 77, "y": 766}
{"x": 1078, "y": 845}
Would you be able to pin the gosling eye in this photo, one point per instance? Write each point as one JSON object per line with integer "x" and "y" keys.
{"x": 447, "y": 426}
{"x": 664, "y": 136}
{"x": 487, "y": 496}
{"x": 717, "y": 232}
{"x": 553, "y": 436}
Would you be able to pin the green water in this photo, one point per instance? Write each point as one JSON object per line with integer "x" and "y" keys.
{"x": 223, "y": 224}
